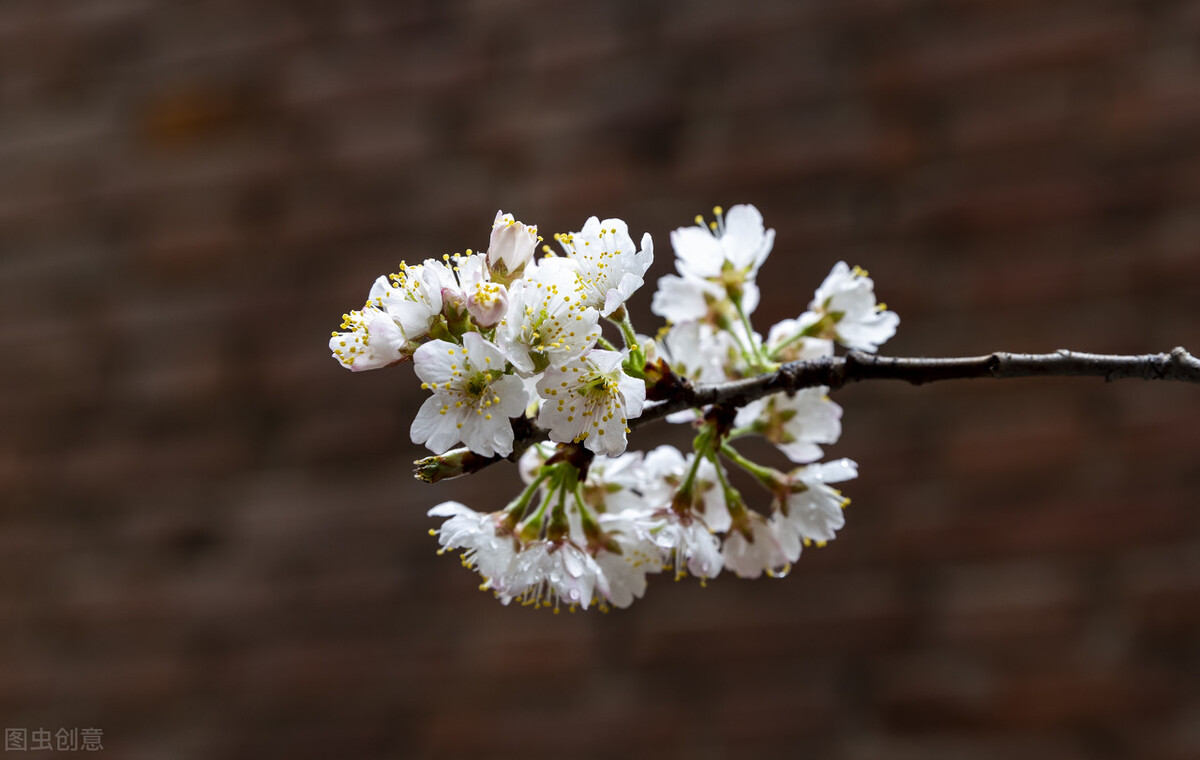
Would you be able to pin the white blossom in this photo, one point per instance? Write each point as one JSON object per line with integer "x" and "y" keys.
{"x": 512, "y": 244}
{"x": 500, "y": 334}
{"x": 812, "y": 510}
{"x": 685, "y": 299}
{"x": 546, "y": 322}
{"x": 795, "y": 423}
{"x": 637, "y": 556}
{"x": 755, "y": 544}
{"x": 610, "y": 268}
{"x": 485, "y": 548}
{"x": 532, "y": 460}
{"x": 715, "y": 262}
{"x": 548, "y": 572}
{"x": 786, "y": 343}
{"x": 612, "y": 482}
{"x": 590, "y": 400}
{"x": 702, "y": 354}
{"x": 412, "y": 296}
{"x": 486, "y": 301}
{"x": 664, "y": 470}
{"x": 372, "y": 340}
{"x": 472, "y": 397}
{"x": 683, "y": 541}
{"x": 736, "y": 239}
{"x": 847, "y": 299}
{"x": 699, "y": 352}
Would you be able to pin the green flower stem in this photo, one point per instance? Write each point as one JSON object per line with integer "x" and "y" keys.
{"x": 605, "y": 343}
{"x": 686, "y": 486}
{"x": 815, "y": 330}
{"x": 756, "y": 356}
{"x": 559, "y": 526}
{"x": 628, "y": 333}
{"x": 746, "y": 353}
{"x": 765, "y": 475}
{"x": 733, "y": 497}
{"x": 635, "y": 365}
{"x": 530, "y": 528}
{"x": 740, "y": 432}
{"x": 702, "y": 446}
{"x": 591, "y": 527}
{"x": 516, "y": 509}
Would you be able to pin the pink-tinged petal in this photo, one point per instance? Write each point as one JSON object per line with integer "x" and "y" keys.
{"x": 434, "y": 361}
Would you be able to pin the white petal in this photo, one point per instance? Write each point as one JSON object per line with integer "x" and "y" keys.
{"x": 744, "y": 238}
{"x": 698, "y": 252}
{"x": 634, "y": 392}
{"x": 433, "y": 360}
{"x": 681, "y": 299}
{"x": 433, "y": 428}
{"x": 835, "y": 471}
{"x": 450, "y": 509}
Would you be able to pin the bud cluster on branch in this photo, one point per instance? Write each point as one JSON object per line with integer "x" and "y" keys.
{"x": 511, "y": 348}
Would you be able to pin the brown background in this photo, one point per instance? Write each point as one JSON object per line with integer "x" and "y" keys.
{"x": 210, "y": 546}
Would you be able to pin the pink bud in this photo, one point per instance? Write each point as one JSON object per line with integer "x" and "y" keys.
{"x": 487, "y": 303}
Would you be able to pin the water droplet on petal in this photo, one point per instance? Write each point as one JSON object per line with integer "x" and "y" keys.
{"x": 780, "y": 572}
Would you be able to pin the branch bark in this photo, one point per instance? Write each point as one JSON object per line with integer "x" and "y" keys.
{"x": 855, "y": 366}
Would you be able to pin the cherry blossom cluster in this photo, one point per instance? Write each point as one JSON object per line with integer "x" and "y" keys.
{"x": 503, "y": 337}
{"x": 491, "y": 334}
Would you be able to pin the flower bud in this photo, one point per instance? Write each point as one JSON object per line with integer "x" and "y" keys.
{"x": 512, "y": 245}
{"x": 487, "y": 303}
{"x": 452, "y": 464}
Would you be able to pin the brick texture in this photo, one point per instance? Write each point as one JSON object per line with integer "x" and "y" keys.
{"x": 210, "y": 545}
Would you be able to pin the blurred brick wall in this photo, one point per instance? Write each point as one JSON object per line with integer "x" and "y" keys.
{"x": 210, "y": 545}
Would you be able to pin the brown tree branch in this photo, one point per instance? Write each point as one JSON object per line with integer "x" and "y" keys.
{"x": 837, "y": 371}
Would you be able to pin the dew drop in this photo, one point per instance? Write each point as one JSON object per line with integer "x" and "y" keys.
{"x": 780, "y": 572}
